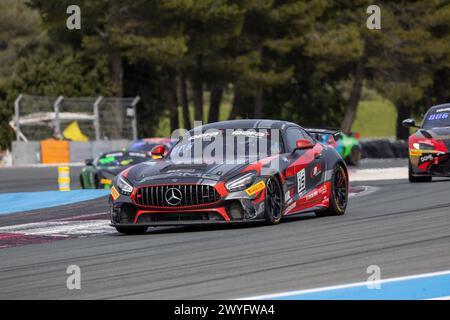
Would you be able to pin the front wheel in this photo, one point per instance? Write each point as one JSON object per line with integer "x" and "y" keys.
{"x": 413, "y": 178}
{"x": 273, "y": 201}
{"x": 131, "y": 230}
{"x": 338, "y": 194}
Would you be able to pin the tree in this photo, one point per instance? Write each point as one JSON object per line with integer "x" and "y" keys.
{"x": 19, "y": 32}
{"x": 259, "y": 59}
{"x": 415, "y": 51}
{"x": 126, "y": 34}
{"x": 319, "y": 51}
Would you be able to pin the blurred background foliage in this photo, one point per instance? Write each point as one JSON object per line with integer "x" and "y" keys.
{"x": 313, "y": 62}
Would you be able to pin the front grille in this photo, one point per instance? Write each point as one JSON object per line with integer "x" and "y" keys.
{"x": 184, "y": 195}
{"x": 179, "y": 217}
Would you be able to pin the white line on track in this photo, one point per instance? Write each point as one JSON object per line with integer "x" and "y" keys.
{"x": 344, "y": 286}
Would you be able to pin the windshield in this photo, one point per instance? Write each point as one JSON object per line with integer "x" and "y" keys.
{"x": 117, "y": 159}
{"x": 437, "y": 118}
{"x": 227, "y": 145}
{"x": 143, "y": 146}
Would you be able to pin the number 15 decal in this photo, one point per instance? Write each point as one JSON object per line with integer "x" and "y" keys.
{"x": 301, "y": 181}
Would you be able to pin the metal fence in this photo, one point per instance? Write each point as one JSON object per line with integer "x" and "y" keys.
{"x": 98, "y": 118}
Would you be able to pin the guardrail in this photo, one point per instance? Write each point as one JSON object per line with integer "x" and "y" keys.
{"x": 31, "y": 153}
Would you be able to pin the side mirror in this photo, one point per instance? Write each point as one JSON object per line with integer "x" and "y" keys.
{"x": 158, "y": 151}
{"x": 303, "y": 144}
{"x": 409, "y": 123}
{"x": 89, "y": 162}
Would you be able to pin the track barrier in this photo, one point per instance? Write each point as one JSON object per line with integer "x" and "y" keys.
{"x": 384, "y": 149}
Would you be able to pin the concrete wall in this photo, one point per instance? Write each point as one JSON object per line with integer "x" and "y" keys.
{"x": 30, "y": 152}
{"x": 80, "y": 151}
{"x": 26, "y": 152}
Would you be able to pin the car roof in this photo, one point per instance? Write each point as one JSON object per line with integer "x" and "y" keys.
{"x": 154, "y": 140}
{"x": 247, "y": 124}
{"x": 439, "y": 106}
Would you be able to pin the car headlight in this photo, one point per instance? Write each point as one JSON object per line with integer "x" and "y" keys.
{"x": 241, "y": 182}
{"x": 124, "y": 186}
{"x": 423, "y": 146}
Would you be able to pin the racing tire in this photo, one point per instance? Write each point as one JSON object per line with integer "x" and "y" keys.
{"x": 354, "y": 156}
{"x": 273, "y": 205}
{"x": 415, "y": 179}
{"x": 131, "y": 230}
{"x": 338, "y": 194}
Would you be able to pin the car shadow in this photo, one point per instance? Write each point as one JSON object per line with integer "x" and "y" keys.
{"x": 206, "y": 228}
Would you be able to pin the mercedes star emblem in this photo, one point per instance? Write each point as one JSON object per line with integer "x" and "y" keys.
{"x": 173, "y": 196}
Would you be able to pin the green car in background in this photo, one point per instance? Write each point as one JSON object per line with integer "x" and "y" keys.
{"x": 348, "y": 146}
{"x": 100, "y": 172}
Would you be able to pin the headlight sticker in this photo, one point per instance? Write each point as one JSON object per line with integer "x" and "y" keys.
{"x": 114, "y": 193}
{"x": 255, "y": 188}
{"x": 415, "y": 153}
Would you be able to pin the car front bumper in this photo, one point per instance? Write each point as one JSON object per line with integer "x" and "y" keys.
{"x": 236, "y": 207}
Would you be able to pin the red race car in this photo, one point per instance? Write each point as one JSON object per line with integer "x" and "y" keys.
{"x": 429, "y": 146}
{"x": 232, "y": 172}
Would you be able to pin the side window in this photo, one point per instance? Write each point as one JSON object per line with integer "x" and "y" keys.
{"x": 293, "y": 134}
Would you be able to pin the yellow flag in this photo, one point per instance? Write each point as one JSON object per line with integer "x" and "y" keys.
{"x": 73, "y": 132}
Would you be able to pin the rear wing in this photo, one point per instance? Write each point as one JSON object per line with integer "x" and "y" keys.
{"x": 320, "y": 133}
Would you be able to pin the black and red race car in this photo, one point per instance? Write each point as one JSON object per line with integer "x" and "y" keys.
{"x": 231, "y": 172}
{"x": 429, "y": 146}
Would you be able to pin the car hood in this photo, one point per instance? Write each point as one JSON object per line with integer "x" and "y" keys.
{"x": 442, "y": 134}
{"x": 165, "y": 169}
{"x": 112, "y": 170}
{"x": 437, "y": 133}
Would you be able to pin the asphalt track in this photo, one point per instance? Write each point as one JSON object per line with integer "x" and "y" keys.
{"x": 20, "y": 179}
{"x": 401, "y": 227}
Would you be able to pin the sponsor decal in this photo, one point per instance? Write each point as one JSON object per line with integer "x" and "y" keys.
{"x": 287, "y": 196}
{"x": 443, "y": 110}
{"x": 180, "y": 170}
{"x": 319, "y": 192}
{"x": 114, "y": 193}
{"x": 255, "y": 188}
{"x": 107, "y": 160}
{"x": 438, "y": 116}
{"x": 205, "y": 136}
{"x": 135, "y": 154}
{"x": 316, "y": 171}
{"x": 105, "y": 181}
{"x": 312, "y": 195}
{"x": 248, "y": 133}
{"x": 301, "y": 181}
{"x": 426, "y": 158}
{"x": 291, "y": 206}
{"x": 415, "y": 153}
{"x": 323, "y": 189}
